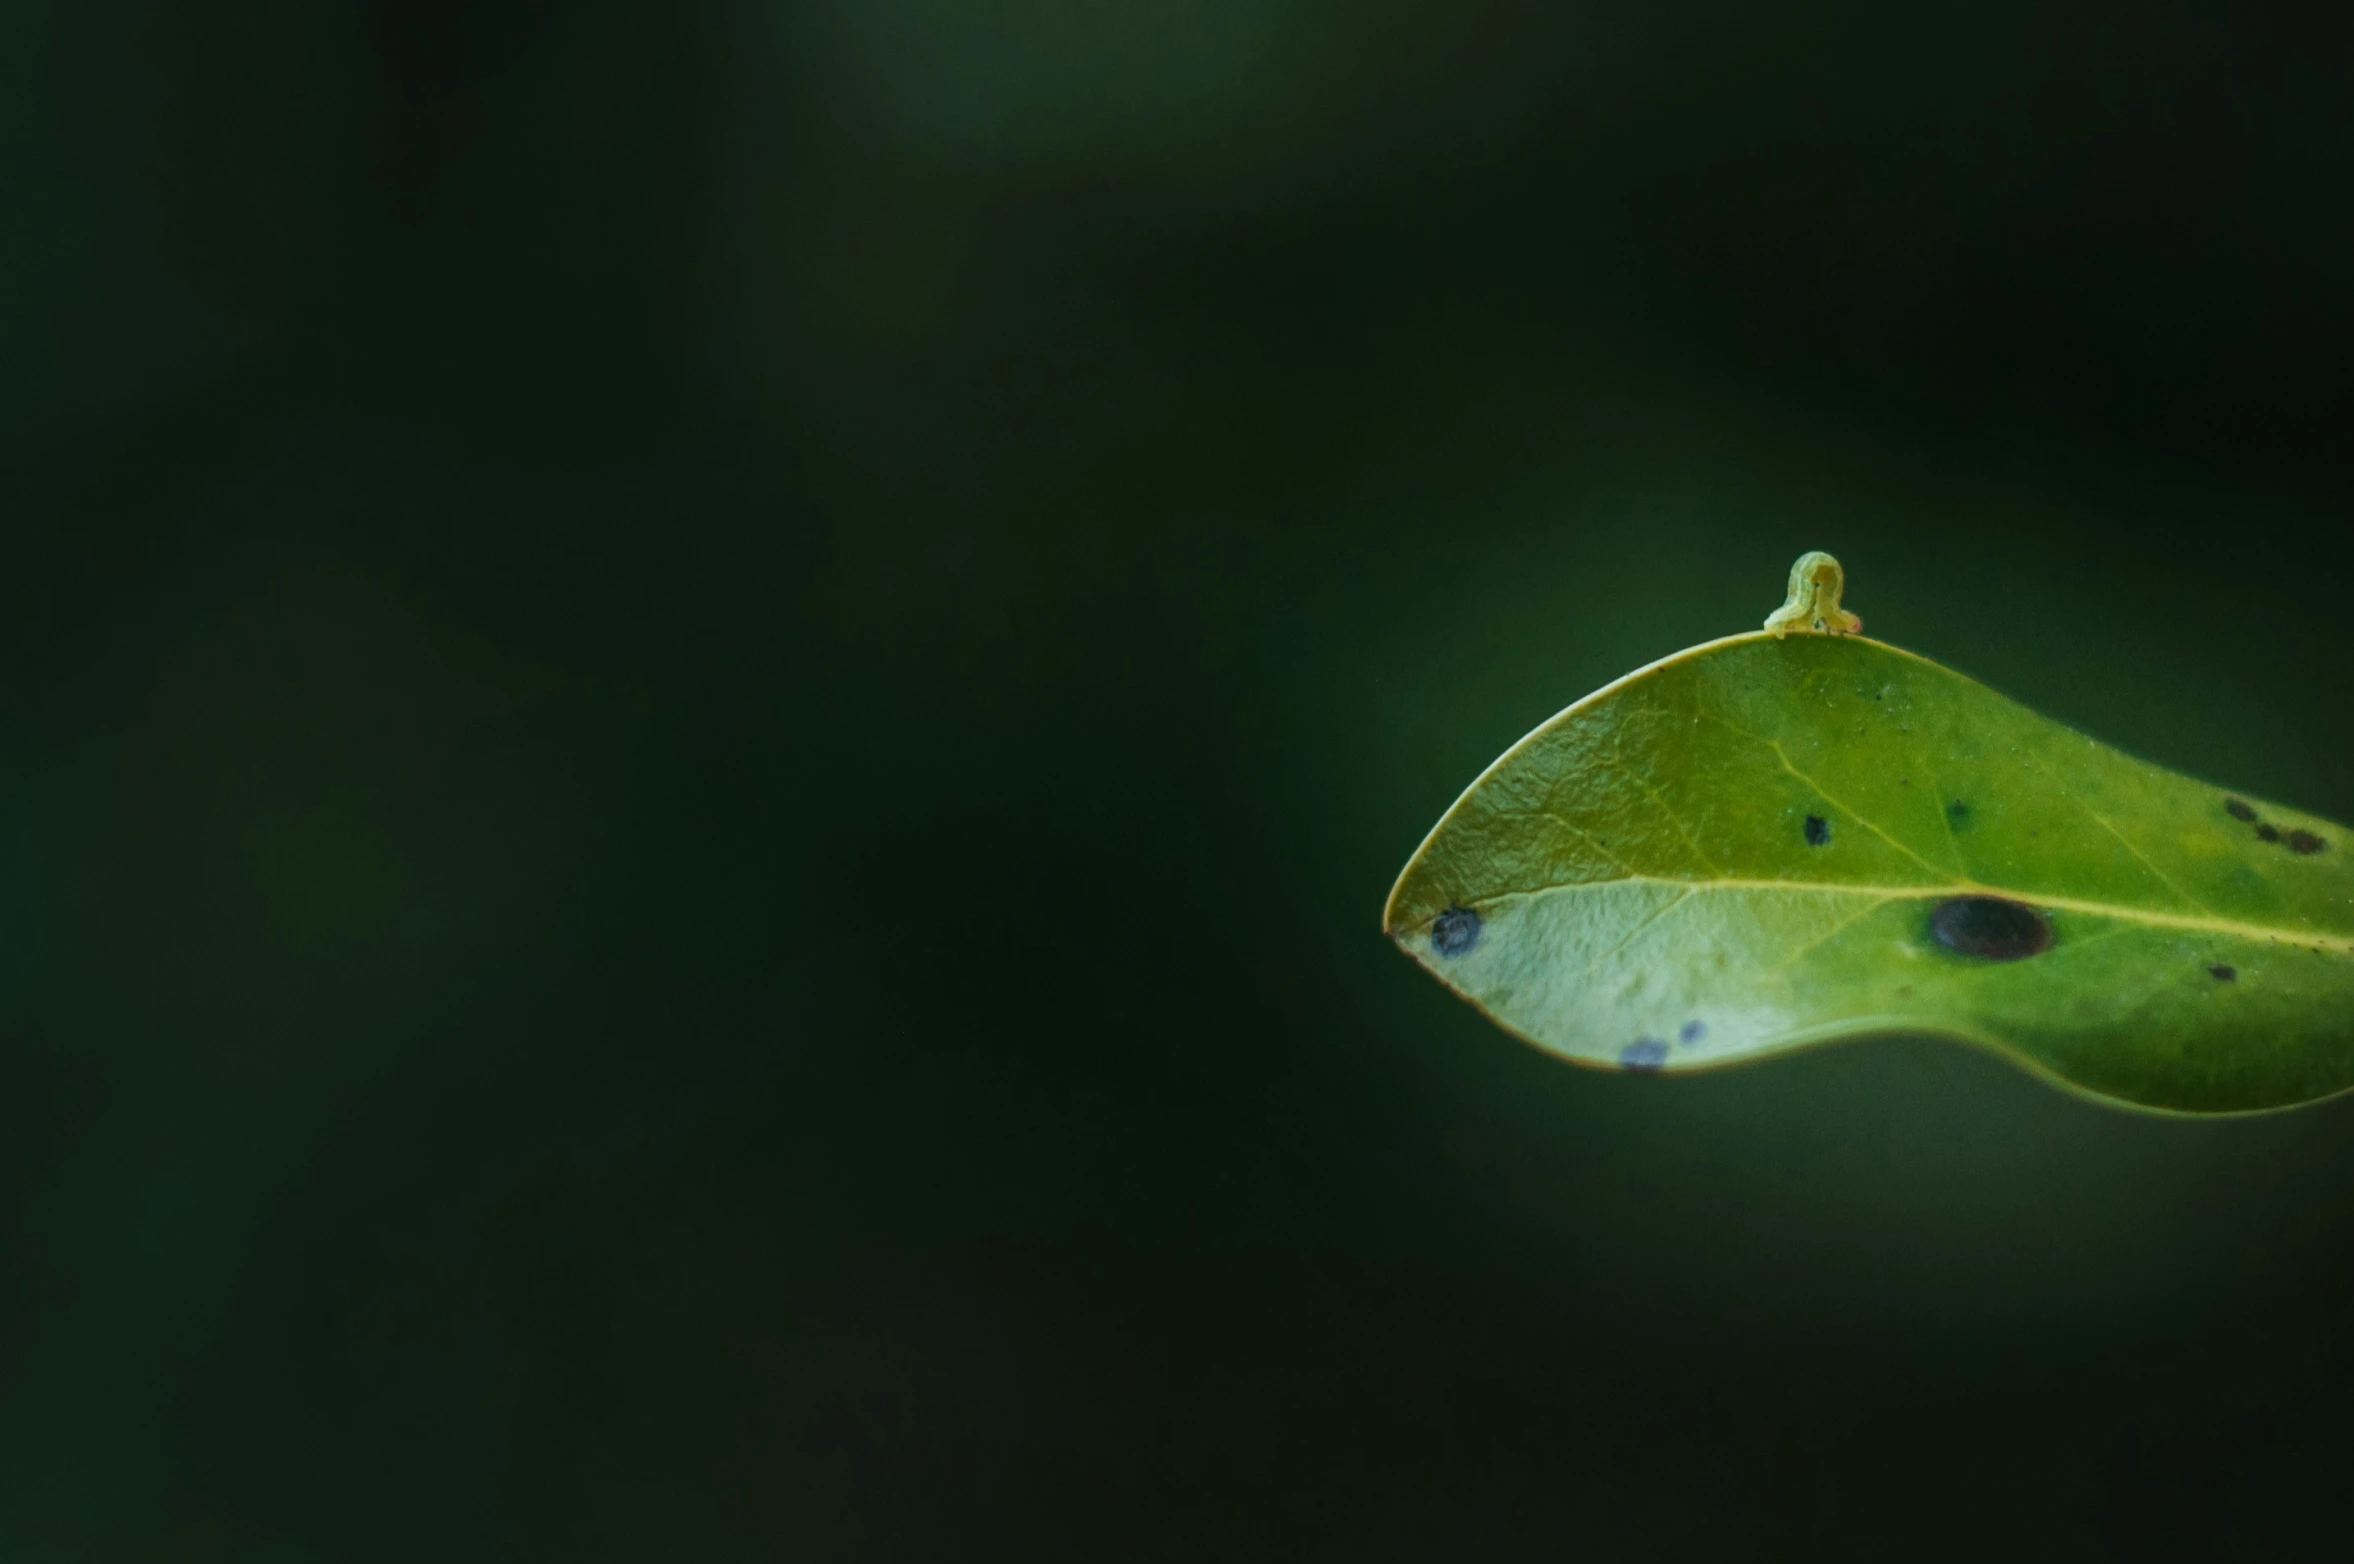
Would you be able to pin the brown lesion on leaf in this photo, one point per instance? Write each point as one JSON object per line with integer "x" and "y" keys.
{"x": 1992, "y": 928}
{"x": 1644, "y": 1053}
{"x": 1455, "y": 931}
{"x": 2298, "y": 841}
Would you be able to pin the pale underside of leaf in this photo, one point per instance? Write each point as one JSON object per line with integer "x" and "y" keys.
{"x": 1742, "y": 849}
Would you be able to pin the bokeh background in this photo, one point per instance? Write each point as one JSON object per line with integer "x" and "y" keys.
{"x": 704, "y": 708}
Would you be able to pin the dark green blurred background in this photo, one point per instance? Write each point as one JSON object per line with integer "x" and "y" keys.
{"x": 704, "y": 708}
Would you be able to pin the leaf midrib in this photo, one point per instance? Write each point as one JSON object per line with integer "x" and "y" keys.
{"x": 2171, "y": 920}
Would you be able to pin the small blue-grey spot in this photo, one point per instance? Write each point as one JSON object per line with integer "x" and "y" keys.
{"x": 1455, "y": 931}
{"x": 1818, "y": 830}
{"x": 1692, "y": 1032}
{"x": 1644, "y": 1053}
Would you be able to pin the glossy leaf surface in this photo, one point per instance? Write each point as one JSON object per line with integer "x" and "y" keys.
{"x": 1763, "y": 843}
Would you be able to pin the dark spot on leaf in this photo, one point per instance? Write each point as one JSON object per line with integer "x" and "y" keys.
{"x": 1818, "y": 830}
{"x": 2266, "y": 833}
{"x": 1644, "y": 1053}
{"x": 2222, "y": 973}
{"x": 1455, "y": 931}
{"x": 1990, "y": 927}
{"x": 2239, "y": 809}
{"x": 2305, "y": 842}
{"x": 1958, "y": 812}
{"x": 1692, "y": 1032}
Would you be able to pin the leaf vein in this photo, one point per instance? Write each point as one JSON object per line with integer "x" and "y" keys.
{"x": 1600, "y": 846}
{"x": 1648, "y": 919}
{"x": 1823, "y": 792}
{"x": 1617, "y": 761}
{"x": 1835, "y": 930}
{"x": 2102, "y": 821}
{"x": 2343, "y": 940}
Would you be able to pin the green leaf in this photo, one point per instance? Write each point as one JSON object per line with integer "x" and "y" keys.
{"x": 1763, "y": 843}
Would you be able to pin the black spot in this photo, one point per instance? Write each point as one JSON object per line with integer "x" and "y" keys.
{"x": 2222, "y": 973}
{"x": 1957, "y": 813}
{"x": 1644, "y": 1053}
{"x": 2239, "y": 809}
{"x": 2305, "y": 842}
{"x": 1818, "y": 830}
{"x": 1455, "y": 931}
{"x": 1692, "y": 1032}
{"x": 2266, "y": 833}
{"x": 1990, "y": 927}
